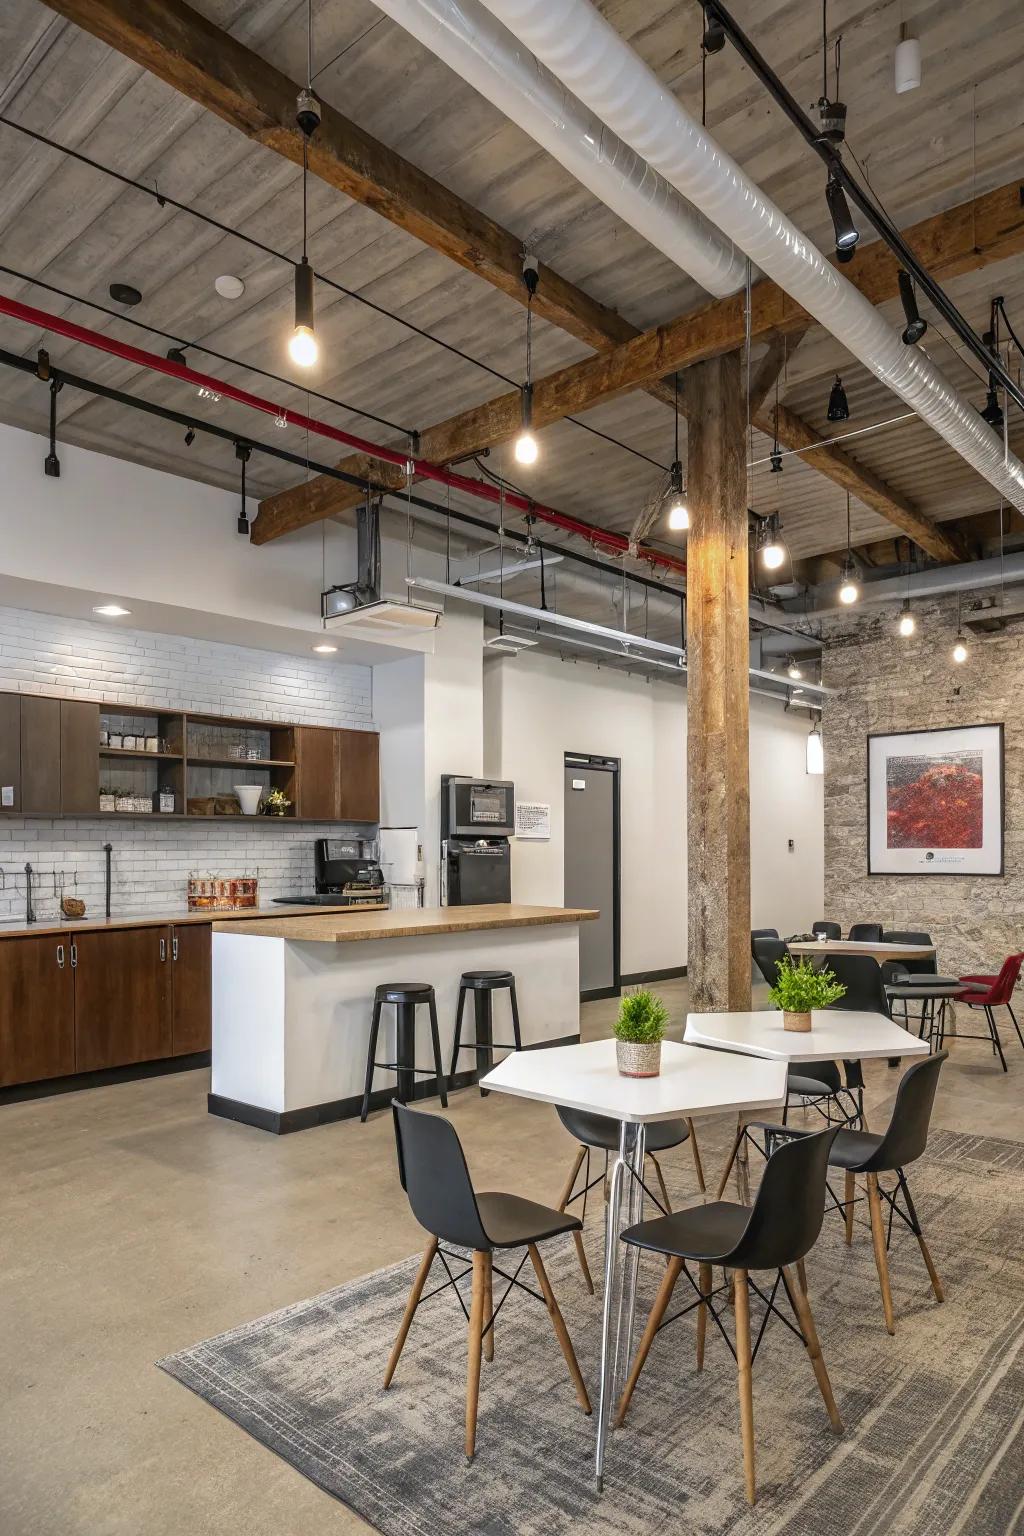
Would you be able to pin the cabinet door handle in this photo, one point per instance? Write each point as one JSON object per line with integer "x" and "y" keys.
{"x": 74, "y": 955}
{"x": 60, "y": 956}
{"x": 163, "y": 949}
{"x": 174, "y": 947}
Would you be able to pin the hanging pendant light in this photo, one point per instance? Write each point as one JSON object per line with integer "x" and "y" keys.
{"x": 838, "y": 405}
{"x": 303, "y": 347}
{"x": 960, "y": 651}
{"x": 907, "y": 622}
{"x": 678, "y": 511}
{"x": 525, "y": 447}
{"x": 849, "y": 586}
{"x": 915, "y": 326}
{"x": 770, "y": 547}
{"x": 793, "y": 670}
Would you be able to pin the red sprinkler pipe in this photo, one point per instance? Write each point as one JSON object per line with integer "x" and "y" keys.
{"x": 422, "y": 468}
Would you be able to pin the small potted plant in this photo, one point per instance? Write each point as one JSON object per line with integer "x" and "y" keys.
{"x": 799, "y": 988}
{"x": 276, "y": 803}
{"x": 639, "y": 1031}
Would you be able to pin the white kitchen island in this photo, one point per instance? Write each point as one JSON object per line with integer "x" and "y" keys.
{"x": 292, "y": 999}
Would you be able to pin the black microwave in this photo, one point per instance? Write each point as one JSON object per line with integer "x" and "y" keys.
{"x": 478, "y": 807}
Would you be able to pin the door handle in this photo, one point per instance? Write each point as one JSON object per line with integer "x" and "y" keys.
{"x": 74, "y": 955}
{"x": 174, "y": 947}
{"x": 163, "y": 949}
{"x": 60, "y": 956}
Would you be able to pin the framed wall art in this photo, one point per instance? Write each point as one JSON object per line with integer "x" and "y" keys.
{"x": 935, "y": 802}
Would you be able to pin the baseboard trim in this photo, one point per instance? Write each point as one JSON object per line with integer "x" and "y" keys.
{"x": 283, "y": 1122}
{"x": 641, "y": 978}
{"x": 595, "y": 994}
{"x": 45, "y": 1087}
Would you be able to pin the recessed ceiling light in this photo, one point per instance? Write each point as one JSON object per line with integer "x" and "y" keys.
{"x": 229, "y": 287}
{"x": 325, "y": 648}
{"x": 111, "y": 610}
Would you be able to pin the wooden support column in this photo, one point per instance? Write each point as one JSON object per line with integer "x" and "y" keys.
{"x": 717, "y": 648}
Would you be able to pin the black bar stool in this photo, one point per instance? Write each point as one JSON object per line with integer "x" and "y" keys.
{"x": 483, "y": 984}
{"x": 407, "y": 996}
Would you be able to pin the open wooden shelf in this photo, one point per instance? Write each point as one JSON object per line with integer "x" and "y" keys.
{"x": 140, "y": 752}
{"x": 241, "y": 762}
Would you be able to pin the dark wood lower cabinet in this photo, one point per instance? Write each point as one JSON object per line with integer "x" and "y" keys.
{"x": 192, "y": 987}
{"x": 122, "y": 997}
{"x": 37, "y": 1009}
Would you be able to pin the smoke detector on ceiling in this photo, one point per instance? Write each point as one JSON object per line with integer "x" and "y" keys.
{"x": 229, "y": 286}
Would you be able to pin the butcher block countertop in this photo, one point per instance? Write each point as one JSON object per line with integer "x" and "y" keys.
{"x": 364, "y": 923}
{"x": 69, "y": 926}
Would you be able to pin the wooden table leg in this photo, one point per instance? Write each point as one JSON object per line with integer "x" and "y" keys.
{"x": 743, "y": 1369}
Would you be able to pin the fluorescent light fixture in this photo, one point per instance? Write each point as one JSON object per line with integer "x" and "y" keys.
{"x": 325, "y": 648}
{"x": 607, "y": 650}
{"x": 502, "y": 574}
{"x": 111, "y": 611}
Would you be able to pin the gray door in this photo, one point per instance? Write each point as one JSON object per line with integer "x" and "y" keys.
{"x": 591, "y": 870}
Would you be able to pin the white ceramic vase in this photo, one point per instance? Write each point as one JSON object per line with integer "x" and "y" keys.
{"x": 249, "y": 796}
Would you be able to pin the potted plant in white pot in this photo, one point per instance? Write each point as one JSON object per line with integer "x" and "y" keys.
{"x": 639, "y": 1031}
{"x": 799, "y": 988}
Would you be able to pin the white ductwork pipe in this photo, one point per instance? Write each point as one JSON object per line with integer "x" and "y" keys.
{"x": 598, "y": 65}
{"x": 476, "y": 46}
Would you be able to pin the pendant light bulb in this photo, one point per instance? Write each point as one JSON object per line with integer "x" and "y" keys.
{"x": 525, "y": 447}
{"x": 773, "y": 555}
{"x": 678, "y": 511}
{"x": 849, "y": 587}
{"x": 302, "y": 345}
{"x": 794, "y": 671}
{"x": 907, "y": 622}
{"x": 769, "y": 542}
{"x": 960, "y": 649}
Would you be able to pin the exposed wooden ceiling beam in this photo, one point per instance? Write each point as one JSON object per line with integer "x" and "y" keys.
{"x": 963, "y": 239}
{"x": 792, "y": 432}
{"x": 206, "y": 64}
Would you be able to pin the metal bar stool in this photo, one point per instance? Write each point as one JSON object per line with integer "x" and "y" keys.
{"x": 406, "y": 996}
{"x": 483, "y": 984}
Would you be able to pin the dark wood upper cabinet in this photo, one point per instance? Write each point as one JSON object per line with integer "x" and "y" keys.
{"x": 40, "y": 755}
{"x": 37, "y": 1009}
{"x": 318, "y": 773}
{"x": 360, "y": 775}
{"x": 79, "y": 757}
{"x": 10, "y": 749}
{"x": 122, "y": 997}
{"x": 192, "y": 985}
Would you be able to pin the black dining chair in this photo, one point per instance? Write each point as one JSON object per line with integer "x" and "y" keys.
{"x": 861, "y": 975}
{"x": 866, "y": 933}
{"x": 762, "y": 933}
{"x": 823, "y": 929}
{"x": 871, "y": 1154}
{"x": 901, "y": 972}
{"x": 596, "y": 1133}
{"x": 818, "y": 1085}
{"x": 776, "y": 1232}
{"x": 434, "y": 1175}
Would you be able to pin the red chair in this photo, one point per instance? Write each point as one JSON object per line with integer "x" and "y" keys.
{"x": 997, "y": 994}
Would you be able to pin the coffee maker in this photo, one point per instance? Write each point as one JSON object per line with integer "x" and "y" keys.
{"x": 477, "y": 820}
{"x": 347, "y": 869}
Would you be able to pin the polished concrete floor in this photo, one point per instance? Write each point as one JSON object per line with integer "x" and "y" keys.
{"x": 134, "y": 1223}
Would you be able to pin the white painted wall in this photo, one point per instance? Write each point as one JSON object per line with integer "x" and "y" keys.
{"x": 537, "y": 708}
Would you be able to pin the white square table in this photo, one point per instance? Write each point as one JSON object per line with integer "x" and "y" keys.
{"x": 692, "y": 1082}
{"x": 836, "y": 1034}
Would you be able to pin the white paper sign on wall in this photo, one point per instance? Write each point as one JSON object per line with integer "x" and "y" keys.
{"x": 533, "y": 820}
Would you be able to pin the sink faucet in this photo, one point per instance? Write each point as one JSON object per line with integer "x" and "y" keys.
{"x": 108, "y": 849}
{"x": 30, "y": 915}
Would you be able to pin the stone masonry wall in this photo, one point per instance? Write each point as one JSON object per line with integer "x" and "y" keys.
{"x": 886, "y": 683}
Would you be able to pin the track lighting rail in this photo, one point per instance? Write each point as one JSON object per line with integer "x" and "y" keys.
{"x": 838, "y": 172}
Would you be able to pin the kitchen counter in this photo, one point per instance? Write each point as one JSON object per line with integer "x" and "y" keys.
{"x": 378, "y": 923}
{"x": 292, "y": 1001}
{"x": 69, "y": 926}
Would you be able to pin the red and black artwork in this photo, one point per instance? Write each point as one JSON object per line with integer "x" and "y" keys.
{"x": 935, "y": 801}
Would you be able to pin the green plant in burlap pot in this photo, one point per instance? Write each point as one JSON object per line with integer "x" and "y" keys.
{"x": 799, "y": 988}
{"x": 639, "y": 1031}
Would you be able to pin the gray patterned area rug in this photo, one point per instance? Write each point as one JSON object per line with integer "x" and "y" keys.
{"x": 934, "y": 1418}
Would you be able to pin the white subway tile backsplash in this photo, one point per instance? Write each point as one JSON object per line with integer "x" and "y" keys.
{"x": 44, "y": 653}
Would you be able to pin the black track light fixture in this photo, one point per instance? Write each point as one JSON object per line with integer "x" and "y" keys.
{"x": 992, "y": 411}
{"x": 177, "y": 355}
{"x": 838, "y": 405}
{"x": 51, "y": 464}
{"x": 713, "y": 40}
{"x": 243, "y": 453}
{"x": 915, "y": 326}
{"x": 124, "y": 293}
{"x": 846, "y": 231}
{"x": 190, "y": 437}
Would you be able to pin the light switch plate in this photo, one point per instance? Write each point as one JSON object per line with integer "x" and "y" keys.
{"x": 7, "y": 794}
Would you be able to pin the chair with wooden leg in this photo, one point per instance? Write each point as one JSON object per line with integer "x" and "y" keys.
{"x": 595, "y": 1133}
{"x": 434, "y": 1175}
{"x": 774, "y": 1233}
